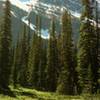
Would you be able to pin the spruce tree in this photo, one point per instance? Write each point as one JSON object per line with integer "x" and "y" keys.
{"x": 21, "y": 55}
{"x": 42, "y": 73}
{"x": 66, "y": 77}
{"x": 16, "y": 62}
{"x": 36, "y": 60}
{"x": 34, "y": 64}
{"x": 59, "y": 54}
{"x": 42, "y": 62}
{"x": 40, "y": 58}
{"x": 75, "y": 75}
{"x": 87, "y": 57}
{"x": 28, "y": 40}
{"x": 24, "y": 57}
{"x": 52, "y": 60}
{"x": 97, "y": 85}
{"x": 30, "y": 60}
{"x": 5, "y": 48}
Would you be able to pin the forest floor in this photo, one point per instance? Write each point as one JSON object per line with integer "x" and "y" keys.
{"x": 31, "y": 94}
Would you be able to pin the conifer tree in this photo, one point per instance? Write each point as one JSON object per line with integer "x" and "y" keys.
{"x": 30, "y": 61}
{"x": 66, "y": 77}
{"x": 28, "y": 40}
{"x": 16, "y": 62}
{"x": 5, "y": 48}
{"x": 97, "y": 85}
{"x": 52, "y": 60}
{"x": 40, "y": 57}
{"x": 21, "y": 55}
{"x": 59, "y": 54}
{"x": 87, "y": 57}
{"x": 24, "y": 57}
{"x": 75, "y": 75}
{"x": 42, "y": 64}
{"x": 35, "y": 54}
{"x": 36, "y": 60}
{"x": 42, "y": 73}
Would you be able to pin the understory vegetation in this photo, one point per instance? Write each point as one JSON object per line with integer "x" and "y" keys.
{"x": 31, "y": 94}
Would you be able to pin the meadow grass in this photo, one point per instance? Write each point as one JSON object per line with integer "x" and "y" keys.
{"x": 31, "y": 94}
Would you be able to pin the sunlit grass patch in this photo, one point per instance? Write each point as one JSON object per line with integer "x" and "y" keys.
{"x": 32, "y": 94}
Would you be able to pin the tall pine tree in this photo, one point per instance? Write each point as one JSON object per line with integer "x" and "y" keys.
{"x": 66, "y": 77}
{"x": 5, "y": 48}
{"x": 35, "y": 63}
{"x": 31, "y": 60}
{"x": 52, "y": 60}
{"x": 16, "y": 62}
{"x": 24, "y": 57}
{"x": 87, "y": 57}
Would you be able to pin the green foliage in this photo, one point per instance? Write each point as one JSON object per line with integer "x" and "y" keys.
{"x": 31, "y": 94}
{"x": 31, "y": 59}
{"x": 87, "y": 57}
{"x": 5, "y": 48}
{"x": 50, "y": 64}
{"x": 66, "y": 78}
{"x": 52, "y": 60}
{"x": 16, "y": 63}
{"x": 37, "y": 59}
{"x": 24, "y": 57}
{"x": 21, "y": 55}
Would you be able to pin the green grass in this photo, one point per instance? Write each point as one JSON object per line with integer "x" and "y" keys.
{"x": 31, "y": 94}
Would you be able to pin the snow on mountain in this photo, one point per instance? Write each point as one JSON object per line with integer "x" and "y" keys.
{"x": 49, "y": 5}
{"x": 13, "y": 14}
{"x": 19, "y": 4}
{"x": 46, "y": 9}
{"x": 98, "y": 1}
{"x": 45, "y": 6}
{"x": 44, "y": 35}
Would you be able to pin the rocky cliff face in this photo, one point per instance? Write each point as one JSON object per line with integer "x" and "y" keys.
{"x": 46, "y": 9}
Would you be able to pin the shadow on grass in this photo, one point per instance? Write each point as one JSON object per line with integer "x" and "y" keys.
{"x": 24, "y": 93}
{"x": 7, "y": 92}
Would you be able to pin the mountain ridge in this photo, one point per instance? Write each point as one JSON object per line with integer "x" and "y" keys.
{"x": 45, "y": 8}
